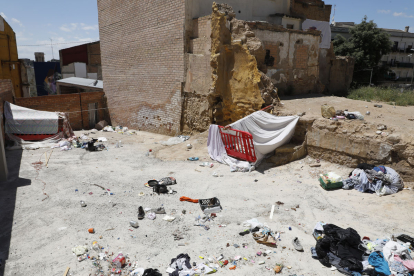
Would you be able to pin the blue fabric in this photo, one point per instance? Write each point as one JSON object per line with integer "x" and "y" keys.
{"x": 398, "y": 267}
{"x": 380, "y": 169}
{"x": 376, "y": 259}
{"x": 354, "y": 273}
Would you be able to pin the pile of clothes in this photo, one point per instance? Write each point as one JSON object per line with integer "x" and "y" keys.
{"x": 344, "y": 249}
{"x": 374, "y": 179}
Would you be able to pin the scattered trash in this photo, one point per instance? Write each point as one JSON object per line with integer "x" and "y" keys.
{"x": 168, "y": 218}
{"x": 296, "y": 244}
{"x": 133, "y": 223}
{"x": 278, "y": 268}
{"x": 82, "y": 203}
{"x": 377, "y": 105}
{"x": 368, "y": 113}
{"x": 279, "y": 203}
{"x": 91, "y": 230}
{"x": 189, "y": 146}
{"x": 80, "y": 250}
{"x": 314, "y": 165}
{"x": 193, "y": 159}
{"x": 207, "y": 164}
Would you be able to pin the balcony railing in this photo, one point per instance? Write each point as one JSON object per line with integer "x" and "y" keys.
{"x": 398, "y": 50}
{"x": 398, "y": 64}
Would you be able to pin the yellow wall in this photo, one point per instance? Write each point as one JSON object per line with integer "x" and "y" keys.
{"x": 10, "y": 66}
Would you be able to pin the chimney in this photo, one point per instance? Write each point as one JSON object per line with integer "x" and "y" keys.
{"x": 39, "y": 57}
{"x": 407, "y": 28}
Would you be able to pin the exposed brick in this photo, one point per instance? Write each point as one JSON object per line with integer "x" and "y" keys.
{"x": 71, "y": 103}
{"x": 142, "y": 51}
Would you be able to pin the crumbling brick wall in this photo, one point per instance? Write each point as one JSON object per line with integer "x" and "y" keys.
{"x": 292, "y": 57}
{"x": 75, "y": 104}
{"x": 340, "y": 77}
{"x": 142, "y": 51}
{"x": 196, "y": 115}
{"x": 311, "y": 9}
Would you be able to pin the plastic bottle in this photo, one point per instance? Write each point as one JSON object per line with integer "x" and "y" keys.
{"x": 96, "y": 247}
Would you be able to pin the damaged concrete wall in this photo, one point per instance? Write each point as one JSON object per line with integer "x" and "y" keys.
{"x": 292, "y": 58}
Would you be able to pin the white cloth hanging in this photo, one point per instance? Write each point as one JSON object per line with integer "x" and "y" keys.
{"x": 322, "y": 26}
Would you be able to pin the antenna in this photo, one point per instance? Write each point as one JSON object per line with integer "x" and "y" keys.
{"x": 333, "y": 17}
{"x": 51, "y": 45}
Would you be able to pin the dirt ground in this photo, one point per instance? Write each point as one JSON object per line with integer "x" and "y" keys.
{"x": 400, "y": 118}
{"x": 42, "y": 219}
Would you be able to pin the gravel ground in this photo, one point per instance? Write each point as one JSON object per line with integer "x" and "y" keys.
{"x": 42, "y": 219}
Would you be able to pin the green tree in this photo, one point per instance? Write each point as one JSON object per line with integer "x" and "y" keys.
{"x": 367, "y": 44}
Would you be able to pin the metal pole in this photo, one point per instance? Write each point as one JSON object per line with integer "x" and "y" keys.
{"x": 370, "y": 79}
{"x": 51, "y": 45}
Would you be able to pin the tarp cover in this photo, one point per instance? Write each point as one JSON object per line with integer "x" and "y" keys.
{"x": 21, "y": 120}
{"x": 269, "y": 132}
{"x": 322, "y": 26}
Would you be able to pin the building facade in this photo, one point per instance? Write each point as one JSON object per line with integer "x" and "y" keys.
{"x": 401, "y": 58}
{"x": 82, "y": 61}
{"x": 9, "y": 62}
{"x": 162, "y": 77}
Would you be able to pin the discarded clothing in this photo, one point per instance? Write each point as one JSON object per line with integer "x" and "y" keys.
{"x": 370, "y": 180}
{"x": 393, "y": 248}
{"x": 377, "y": 260}
{"x": 181, "y": 265}
{"x": 340, "y": 247}
{"x": 398, "y": 267}
{"x": 409, "y": 264}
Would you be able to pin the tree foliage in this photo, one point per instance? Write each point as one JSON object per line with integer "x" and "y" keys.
{"x": 367, "y": 44}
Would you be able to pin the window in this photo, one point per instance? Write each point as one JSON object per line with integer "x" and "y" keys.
{"x": 289, "y": 26}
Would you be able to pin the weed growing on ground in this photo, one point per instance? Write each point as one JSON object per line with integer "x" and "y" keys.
{"x": 387, "y": 95}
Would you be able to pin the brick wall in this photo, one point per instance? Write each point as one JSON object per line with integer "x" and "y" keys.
{"x": 75, "y": 104}
{"x": 94, "y": 57}
{"x": 142, "y": 51}
{"x": 301, "y": 61}
{"x": 311, "y": 9}
{"x": 6, "y": 94}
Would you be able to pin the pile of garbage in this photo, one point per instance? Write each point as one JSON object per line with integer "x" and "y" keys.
{"x": 106, "y": 262}
{"x": 344, "y": 250}
{"x": 366, "y": 178}
{"x": 329, "y": 112}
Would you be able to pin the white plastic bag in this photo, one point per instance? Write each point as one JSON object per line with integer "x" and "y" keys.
{"x": 252, "y": 223}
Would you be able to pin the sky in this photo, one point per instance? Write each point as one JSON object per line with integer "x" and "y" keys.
{"x": 35, "y": 22}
